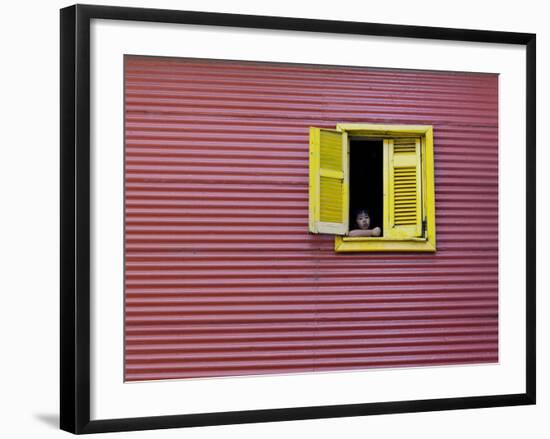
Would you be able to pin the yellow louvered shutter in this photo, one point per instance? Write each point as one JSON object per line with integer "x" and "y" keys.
{"x": 405, "y": 188}
{"x": 328, "y": 181}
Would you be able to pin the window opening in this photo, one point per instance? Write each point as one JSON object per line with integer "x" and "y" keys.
{"x": 366, "y": 182}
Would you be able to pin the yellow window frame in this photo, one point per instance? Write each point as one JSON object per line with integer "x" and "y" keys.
{"x": 427, "y": 243}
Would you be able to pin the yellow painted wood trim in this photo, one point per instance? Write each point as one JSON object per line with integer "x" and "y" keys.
{"x": 383, "y": 130}
{"x": 420, "y": 183}
{"x": 331, "y": 173}
{"x": 332, "y": 228}
{"x": 347, "y": 244}
{"x": 345, "y": 188}
{"x": 375, "y": 238}
{"x": 315, "y": 174}
{"x": 314, "y": 179}
{"x": 429, "y": 186}
{"x": 387, "y": 243}
{"x": 391, "y": 232}
{"x": 403, "y": 232}
{"x": 379, "y": 245}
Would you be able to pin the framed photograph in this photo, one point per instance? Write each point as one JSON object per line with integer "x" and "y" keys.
{"x": 273, "y": 218}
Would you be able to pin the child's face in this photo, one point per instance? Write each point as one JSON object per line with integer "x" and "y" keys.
{"x": 363, "y": 221}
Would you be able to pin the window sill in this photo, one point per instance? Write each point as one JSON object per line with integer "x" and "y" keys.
{"x": 380, "y": 244}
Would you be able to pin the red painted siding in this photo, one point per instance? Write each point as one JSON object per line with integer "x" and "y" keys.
{"x": 222, "y": 276}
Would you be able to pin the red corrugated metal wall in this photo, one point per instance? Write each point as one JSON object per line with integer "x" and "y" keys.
{"x": 222, "y": 276}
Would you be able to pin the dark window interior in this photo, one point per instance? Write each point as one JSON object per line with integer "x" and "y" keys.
{"x": 366, "y": 181}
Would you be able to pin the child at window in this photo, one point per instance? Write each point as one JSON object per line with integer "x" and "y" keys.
{"x": 362, "y": 221}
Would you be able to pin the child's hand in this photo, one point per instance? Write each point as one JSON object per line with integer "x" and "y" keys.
{"x": 376, "y": 231}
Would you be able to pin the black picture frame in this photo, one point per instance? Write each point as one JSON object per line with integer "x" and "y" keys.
{"x": 75, "y": 217}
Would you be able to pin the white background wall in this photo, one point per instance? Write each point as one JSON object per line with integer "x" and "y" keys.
{"x": 29, "y": 218}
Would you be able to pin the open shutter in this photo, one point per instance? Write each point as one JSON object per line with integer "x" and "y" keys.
{"x": 405, "y": 188}
{"x": 328, "y": 181}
